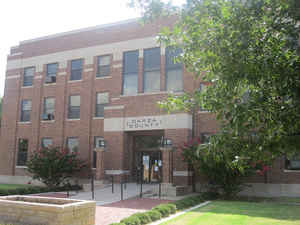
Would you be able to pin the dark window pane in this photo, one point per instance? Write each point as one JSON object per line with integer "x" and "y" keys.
{"x": 130, "y": 84}
{"x": 174, "y": 80}
{"x": 152, "y": 59}
{"x": 47, "y": 142}
{"x": 98, "y": 141}
{"x": 22, "y": 152}
{"x": 76, "y": 64}
{"x": 152, "y": 81}
{"x": 103, "y": 71}
{"x": 103, "y": 66}
{"x": 28, "y": 76}
{"x": 26, "y": 110}
{"x": 76, "y": 69}
{"x": 49, "y": 109}
{"x": 74, "y": 107}
{"x": 76, "y": 74}
{"x": 171, "y": 58}
{"x": 52, "y": 69}
{"x": 131, "y": 62}
{"x": 102, "y": 101}
{"x": 73, "y": 144}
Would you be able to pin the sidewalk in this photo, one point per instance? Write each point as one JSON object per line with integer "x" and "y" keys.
{"x": 105, "y": 195}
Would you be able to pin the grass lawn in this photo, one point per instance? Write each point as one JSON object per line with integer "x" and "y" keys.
{"x": 12, "y": 186}
{"x": 240, "y": 213}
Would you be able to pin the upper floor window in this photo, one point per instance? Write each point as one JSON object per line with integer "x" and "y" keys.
{"x": 101, "y": 101}
{"x": 74, "y": 107}
{"x": 28, "y": 76}
{"x": 73, "y": 144}
{"x": 103, "y": 66}
{"x": 49, "y": 109}
{"x": 76, "y": 69}
{"x": 22, "y": 152}
{"x": 26, "y": 110}
{"x": 152, "y": 70}
{"x": 51, "y": 73}
{"x": 130, "y": 72}
{"x": 47, "y": 142}
{"x": 173, "y": 70}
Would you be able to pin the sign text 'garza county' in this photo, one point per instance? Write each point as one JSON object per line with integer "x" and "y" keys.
{"x": 143, "y": 123}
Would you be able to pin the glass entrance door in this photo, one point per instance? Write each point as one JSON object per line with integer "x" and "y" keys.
{"x": 150, "y": 166}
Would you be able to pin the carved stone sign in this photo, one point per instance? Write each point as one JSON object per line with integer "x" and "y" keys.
{"x": 144, "y": 123}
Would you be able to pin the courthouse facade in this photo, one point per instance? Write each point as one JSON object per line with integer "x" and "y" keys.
{"x": 95, "y": 91}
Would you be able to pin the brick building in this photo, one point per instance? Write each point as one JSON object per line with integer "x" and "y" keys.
{"x": 95, "y": 91}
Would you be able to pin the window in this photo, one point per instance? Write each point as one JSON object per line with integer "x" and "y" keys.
{"x": 202, "y": 89}
{"x": 98, "y": 142}
{"x": 101, "y": 101}
{"x": 152, "y": 70}
{"x": 205, "y": 138}
{"x": 130, "y": 72}
{"x": 94, "y": 159}
{"x": 292, "y": 162}
{"x": 72, "y": 144}
{"x": 76, "y": 69}
{"x": 26, "y": 110}
{"x": 51, "y": 73}
{"x": 28, "y": 76}
{"x": 74, "y": 107}
{"x": 22, "y": 152}
{"x": 49, "y": 109}
{"x": 173, "y": 70}
{"x": 47, "y": 142}
{"x": 103, "y": 66}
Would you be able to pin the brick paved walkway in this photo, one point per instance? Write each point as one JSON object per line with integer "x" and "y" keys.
{"x": 115, "y": 212}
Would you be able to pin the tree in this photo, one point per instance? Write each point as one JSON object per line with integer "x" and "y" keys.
{"x": 54, "y": 166}
{"x": 249, "y": 52}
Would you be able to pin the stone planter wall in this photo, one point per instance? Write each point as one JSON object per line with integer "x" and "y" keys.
{"x": 35, "y": 210}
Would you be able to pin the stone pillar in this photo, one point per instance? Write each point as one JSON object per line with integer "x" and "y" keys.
{"x": 100, "y": 164}
{"x": 166, "y": 165}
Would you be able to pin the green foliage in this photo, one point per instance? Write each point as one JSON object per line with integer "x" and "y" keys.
{"x": 154, "y": 215}
{"x": 188, "y": 202}
{"x": 143, "y": 217}
{"x": 249, "y": 52}
{"x": 132, "y": 220}
{"x": 54, "y": 166}
{"x": 224, "y": 169}
{"x": 37, "y": 189}
{"x": 160, "y": 211}
{"x": 163, "y": 209}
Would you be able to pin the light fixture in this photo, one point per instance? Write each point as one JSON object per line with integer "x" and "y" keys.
{"x": 166, "y": 144}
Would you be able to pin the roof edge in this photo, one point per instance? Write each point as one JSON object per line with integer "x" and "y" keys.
{"x": 77, "y": 31}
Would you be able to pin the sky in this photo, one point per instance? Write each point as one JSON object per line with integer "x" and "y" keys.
{"x": 27, "y": 19}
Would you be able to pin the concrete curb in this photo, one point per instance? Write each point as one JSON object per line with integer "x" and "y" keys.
{"x": 180, "y": 213}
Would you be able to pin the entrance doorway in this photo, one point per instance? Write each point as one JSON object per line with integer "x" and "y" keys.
{"x": 149, "y": 166}
{"x": 148, "y": 158}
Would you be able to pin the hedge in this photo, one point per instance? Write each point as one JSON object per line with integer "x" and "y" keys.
{"x": 37, "y": 189}
{"x": 160, "y": 211}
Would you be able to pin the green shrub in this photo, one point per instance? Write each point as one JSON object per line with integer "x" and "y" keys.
{"x": 171, "y": 207}
{"x": 164, "y": 211}
{"x": 117, "y": 224}
{"x": 143, "y": 217}
{"x": 154, "y": 215}
{"x": 132, "y": 220}
{"x": 54, "y": 166}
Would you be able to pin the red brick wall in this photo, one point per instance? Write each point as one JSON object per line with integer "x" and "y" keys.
{"x": 118, "y": 157}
